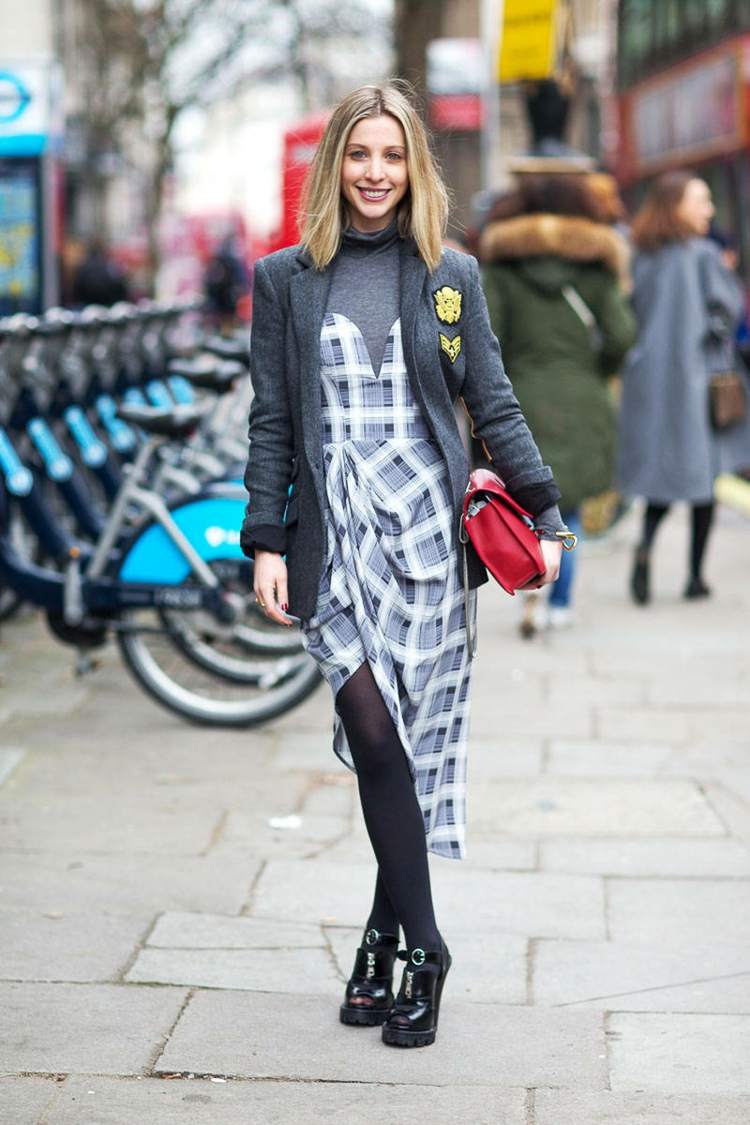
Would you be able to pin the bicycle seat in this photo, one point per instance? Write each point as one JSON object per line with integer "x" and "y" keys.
{"x": 207, "y": 374}
{"x": 92, "y": 316}
{"x": 175, "y": 422}
{"x": 122, "y": 313}
{"x": 56, "y": 322}
{"x": 190, "y": 366}
{"x": 19, "y": 326}
{"x": 227, "y": 348}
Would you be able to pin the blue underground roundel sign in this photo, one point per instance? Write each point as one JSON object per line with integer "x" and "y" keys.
{"x": 14, "y": 97}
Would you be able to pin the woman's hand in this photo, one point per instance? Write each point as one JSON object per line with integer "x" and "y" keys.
{"x": 551, "y": 553}
{"x": 269, "y": 585}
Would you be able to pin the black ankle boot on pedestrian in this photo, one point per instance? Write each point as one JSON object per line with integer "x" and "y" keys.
{"x": 696, "y": 588}
{"x": 369, "y": 992}
{"x": 639, "y": 579}
{"x": 413, "y": 1019}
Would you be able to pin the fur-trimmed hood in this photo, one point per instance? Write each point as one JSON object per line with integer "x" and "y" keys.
{"x": 556, "y": 236}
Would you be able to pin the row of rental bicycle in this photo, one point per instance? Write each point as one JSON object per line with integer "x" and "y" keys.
{"x": 122, "y": 445}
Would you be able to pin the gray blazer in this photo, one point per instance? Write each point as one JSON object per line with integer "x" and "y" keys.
{"x": 449, "y": 350}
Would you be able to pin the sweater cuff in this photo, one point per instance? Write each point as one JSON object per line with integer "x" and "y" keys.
{"x": 264, "y": 537}
{"x": 537, "y": 498}
{"x": 549, "y": 522}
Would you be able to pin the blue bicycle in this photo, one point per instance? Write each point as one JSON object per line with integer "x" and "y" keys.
{"x": 164, "y": 574}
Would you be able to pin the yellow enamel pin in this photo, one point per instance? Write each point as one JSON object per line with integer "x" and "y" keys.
{"x": 452, "y": 347}
{"x": 448, "y": 304}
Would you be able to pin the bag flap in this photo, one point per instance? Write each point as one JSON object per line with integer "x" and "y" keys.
{"x": 483, "y": 482}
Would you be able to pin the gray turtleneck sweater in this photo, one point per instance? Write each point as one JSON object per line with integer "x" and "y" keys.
{"x": 365, "y": 286}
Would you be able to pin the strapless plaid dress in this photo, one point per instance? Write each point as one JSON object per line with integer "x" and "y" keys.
{"x": 391, "y": 593}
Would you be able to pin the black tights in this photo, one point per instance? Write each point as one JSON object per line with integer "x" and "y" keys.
{"x": 702, "y": 518}
{"x": 392, "y": 814}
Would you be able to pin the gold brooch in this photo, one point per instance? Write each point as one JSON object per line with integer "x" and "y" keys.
{"x": 452, "y": 347}
{"x": 448, "y": 304}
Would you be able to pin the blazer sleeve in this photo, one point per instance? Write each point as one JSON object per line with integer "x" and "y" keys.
{"x": 269, "y": 463}
{"x": 496, "y": 417}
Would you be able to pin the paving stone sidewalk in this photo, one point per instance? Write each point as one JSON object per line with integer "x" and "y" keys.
{"x": 167, "y": 956}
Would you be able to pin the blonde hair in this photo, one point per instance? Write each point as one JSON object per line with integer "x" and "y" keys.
{"x": 423, "y": 212}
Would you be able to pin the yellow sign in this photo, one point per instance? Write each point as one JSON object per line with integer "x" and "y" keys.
{"x": 527, "y": 49}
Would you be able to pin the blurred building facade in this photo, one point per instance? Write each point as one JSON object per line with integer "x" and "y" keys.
{"x": 682, "y": 100}
{"x": 111, "y": 171}
{"x": 230, "y": 155}
{"x": 106, "y": 169}
{"x": 476, "y": 162}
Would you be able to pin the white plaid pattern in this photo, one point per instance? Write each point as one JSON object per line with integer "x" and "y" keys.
{"x": 390, "y": 592}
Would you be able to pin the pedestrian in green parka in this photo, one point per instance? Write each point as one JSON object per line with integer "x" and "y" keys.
{"x": 555, "y": 278}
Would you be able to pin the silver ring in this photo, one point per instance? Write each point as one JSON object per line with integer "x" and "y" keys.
{"x": 418, "y": 960}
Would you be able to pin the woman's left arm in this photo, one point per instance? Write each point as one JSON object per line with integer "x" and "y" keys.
{"x": 722, "y": 291}
{"x": 497, "y": 419}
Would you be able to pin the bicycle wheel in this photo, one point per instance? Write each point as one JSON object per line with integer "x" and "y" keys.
{"x": 257, "y": 634}
{"x": 180, "y": 684}
{"x": 24, "y": 543}
{"x": 208, "y": 641}
{"x": 223, "y": 649}
{"x": 10, "y": 602}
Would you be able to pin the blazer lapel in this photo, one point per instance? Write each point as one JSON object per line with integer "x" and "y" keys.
{"x": 412, "y": 275}
{"x": 308, "y": 296}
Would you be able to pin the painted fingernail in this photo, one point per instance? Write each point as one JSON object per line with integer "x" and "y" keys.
{"x": 285, "y": 607}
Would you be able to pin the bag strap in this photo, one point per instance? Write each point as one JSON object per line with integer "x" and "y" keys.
{"x": 471, "y": 635}
{"x": 580, "y": 308}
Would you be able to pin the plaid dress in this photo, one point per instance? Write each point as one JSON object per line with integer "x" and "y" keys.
{"x": 391, "y": 593}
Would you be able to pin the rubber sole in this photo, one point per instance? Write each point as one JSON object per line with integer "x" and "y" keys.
{"x": 396, "y": 1038}
{"x": 402, "y": 1037}
{"x": 362, "y": 1016}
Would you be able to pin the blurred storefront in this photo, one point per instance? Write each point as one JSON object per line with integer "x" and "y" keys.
{"x": 30, "y": 130}
{"x": 683, "y": 96}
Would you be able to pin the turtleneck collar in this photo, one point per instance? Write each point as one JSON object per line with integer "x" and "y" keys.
{"x": 365, "y": 242}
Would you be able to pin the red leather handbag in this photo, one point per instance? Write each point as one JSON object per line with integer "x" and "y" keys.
{"x": 501, "y": 532}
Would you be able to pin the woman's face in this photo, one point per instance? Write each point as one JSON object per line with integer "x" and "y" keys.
{"x": 374, "y": 175}
{"x": 695, "y": 209}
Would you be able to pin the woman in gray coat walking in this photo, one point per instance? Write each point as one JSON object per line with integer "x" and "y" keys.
{"x": 363, "y": 337}
{"x": 687, "y": 305}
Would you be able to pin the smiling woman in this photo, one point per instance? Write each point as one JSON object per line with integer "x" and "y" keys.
{"x": 394, "y": 148}
{"x": 374, "y": 174}
{"x": 363, "y": 337}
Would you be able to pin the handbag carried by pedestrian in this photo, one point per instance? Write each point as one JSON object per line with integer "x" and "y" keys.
{"x": 727, "y": 392}
{"x": 504, "y": 537}
{"x": 727, "y": 399}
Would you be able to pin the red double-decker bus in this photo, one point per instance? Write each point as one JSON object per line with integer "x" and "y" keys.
{"x": 299, "y": 146}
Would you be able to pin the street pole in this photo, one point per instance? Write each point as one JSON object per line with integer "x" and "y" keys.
{"x": 491, "y": 19}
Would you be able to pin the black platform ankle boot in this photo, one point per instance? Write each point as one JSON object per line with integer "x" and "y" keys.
{"x": 640, "y": 584}
{"x": 696, "y": 588}
{"x": 413, "y": 1019}
{"x": 371, "y": 979}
